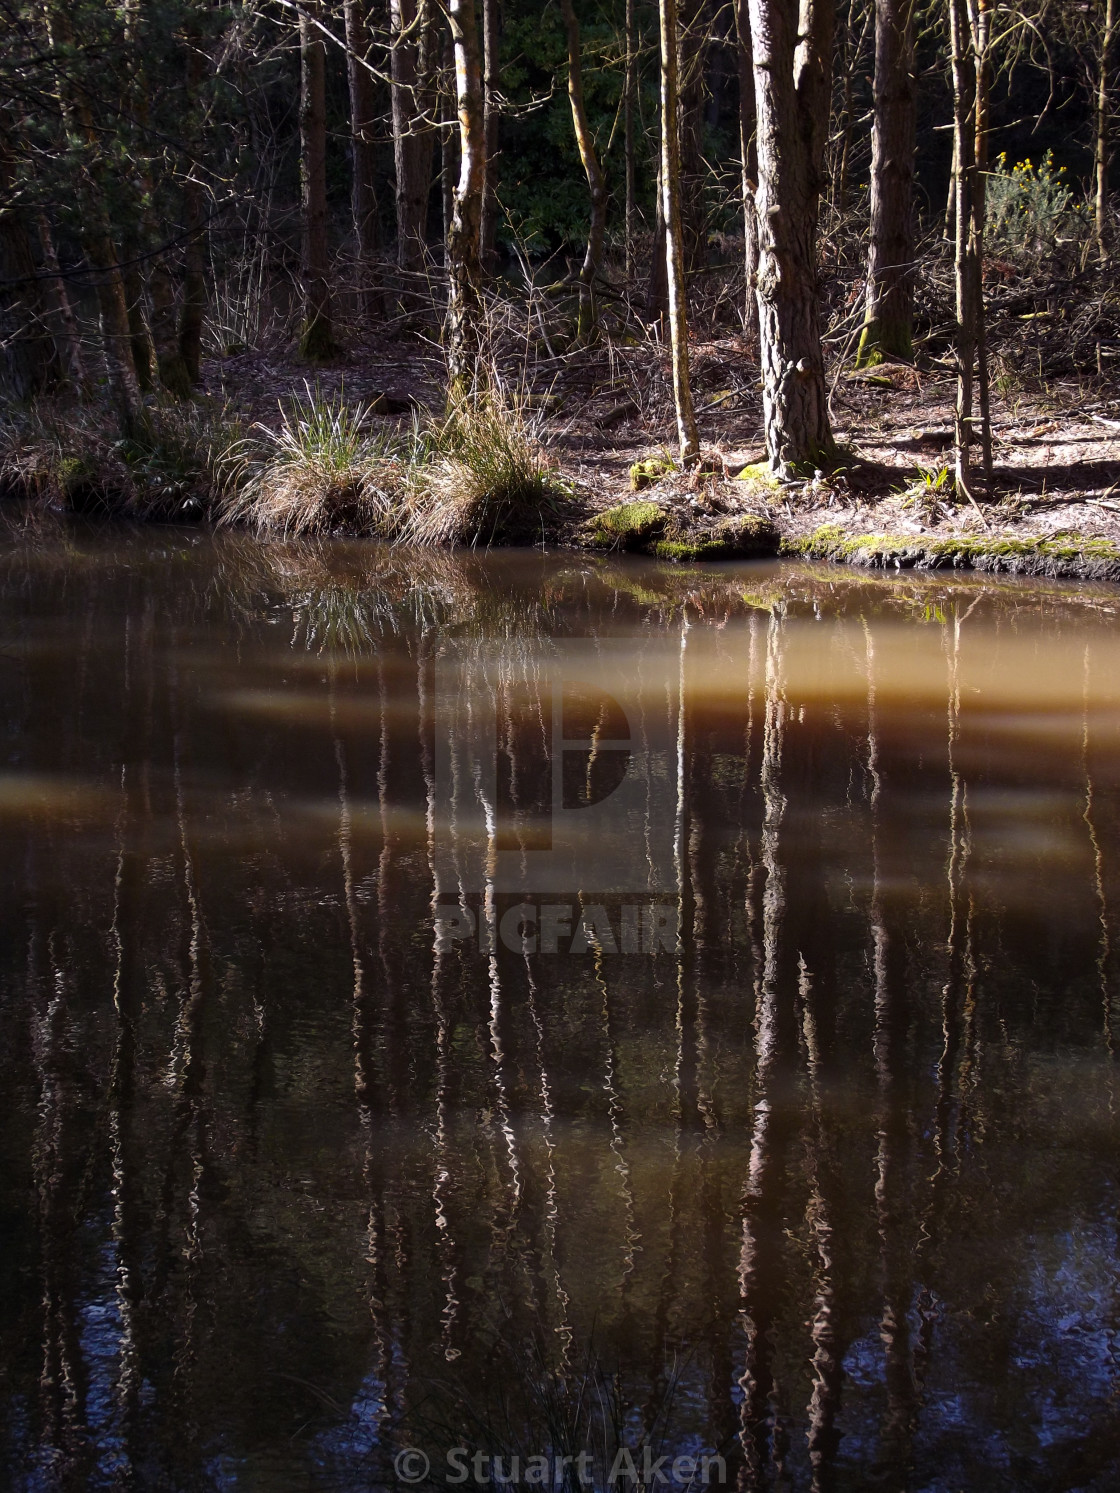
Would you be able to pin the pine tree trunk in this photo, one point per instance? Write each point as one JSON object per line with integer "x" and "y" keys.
{"x": 317, "y": 335}
{"x": 1103, "y": 149}
{"x": 116, "y": 334}
{"x": 412, "y": 68}
{"x": 133, "y": 281}
{"x": 748, "y": 157}
{"x": 464, "y": 241}
{"x": 593, "y": 258}
{"x": 888, "y": 328}
{"x": 792, "y": 81}
{"x": 491, "y": 39}
{"x": 363, "y": 197}
{"x": 687, "y": 436}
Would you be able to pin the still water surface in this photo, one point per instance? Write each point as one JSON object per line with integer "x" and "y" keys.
{"x": 778, "y": 1125}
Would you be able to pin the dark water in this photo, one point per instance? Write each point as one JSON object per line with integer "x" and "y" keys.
{"x": 779, "y": 1126}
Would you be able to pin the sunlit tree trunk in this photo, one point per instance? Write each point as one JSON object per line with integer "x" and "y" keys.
{"x": 491, "y": 41}
{"x": 687, "y": 437}
{"x": 317, "y": 336}
{"x": 980, "y": 15}
{"x": 792, "y": 79}
{"x": 593, "y": 258}
{"x": 464, "y": 241}
{"x": 888, "y": 328}
{"x": 363, "y": 198}
{"x": 1103, "y": 133}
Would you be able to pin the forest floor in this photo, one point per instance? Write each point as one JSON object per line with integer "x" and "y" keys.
{"x": 1055, "y": 509}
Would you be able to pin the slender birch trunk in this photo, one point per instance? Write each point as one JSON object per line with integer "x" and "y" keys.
{"x": 964, "y": 160}
{"x": 1103, "y": 133}
{"x": 317, "y": 335}
{"x": 585, "y": 140}
{"x": 792, "y": 80}
{"x": 687, "y": 435}
{"x": 980, "y": 15}
{"x": 464, "y": 240}
{"x": 888, "y": 326}
{"x": 363, "y": 197}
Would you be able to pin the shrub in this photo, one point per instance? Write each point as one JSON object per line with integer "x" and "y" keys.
{"x": 1030, "y": 208}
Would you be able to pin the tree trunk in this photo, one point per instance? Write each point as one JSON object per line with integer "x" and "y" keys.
{"x": 748, "y": 156}
{"x": 980, "y": 16}
{"x": 888, "y": 327}
{"x": 133, "y": 281}
{"x": 67, "y": 338}
{"x": 464, "y": 241}
{"x": 411, "y": 64}
{"x": 593, "y": 258}
{"x": 964, "y": 156}
{"x": 1103, "y": 151}
{"x": 363, "y": 198}
{"x": 687, "y": 436}
{"x": 449, "y": 141}
{"x": 792, "y": 82}
{"x": 116, "y": 334}
{"x": 317, "y": 336}
{"x": 193, "y": 312}
{"x": 491, "y": 40}
{"x": 657, "y": 286}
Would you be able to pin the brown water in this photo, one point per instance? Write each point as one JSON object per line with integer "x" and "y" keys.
{"x": 778, "y": 1126}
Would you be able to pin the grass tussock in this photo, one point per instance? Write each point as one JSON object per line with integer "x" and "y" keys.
{"x": 476, "y": 475}
{"x": 319, "y": 472}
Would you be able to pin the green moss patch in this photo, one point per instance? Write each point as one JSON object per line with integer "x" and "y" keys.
{"x": 644, "y": 474}
{"x": 1068, "y": 554}
{"x": 627, "y": 526}
{"x": 743, "y": 536}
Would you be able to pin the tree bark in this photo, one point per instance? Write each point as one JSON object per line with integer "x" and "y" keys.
{"x": 692, "y": 30}
{"x": 889, "y": 325}
{"x": 748, "y": 157}
{"x": 193, "y": 312}
{"x": 593, "y": 258}
{"x": 464, "y": 241}
{"x": 363, "y": 197}
{"x": 317, "y": 335}
{"x": 411, "y": 61}
{"x": 1103, "y": 133}
{"x": 792, "y": 81}
{"x": 28, "y": 361}
{"x": 491, "y": 40}
{"x": 687, "y": 436}
{"x": 966, "y": 241}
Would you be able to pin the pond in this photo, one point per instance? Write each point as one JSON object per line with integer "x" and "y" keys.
{"x": 657, "y": 1025}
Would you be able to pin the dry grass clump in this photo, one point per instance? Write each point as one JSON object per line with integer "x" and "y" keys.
{"x": 320, "y": 472}
{"x": 476, "y": 475}
{"x": 481, "y": 477}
